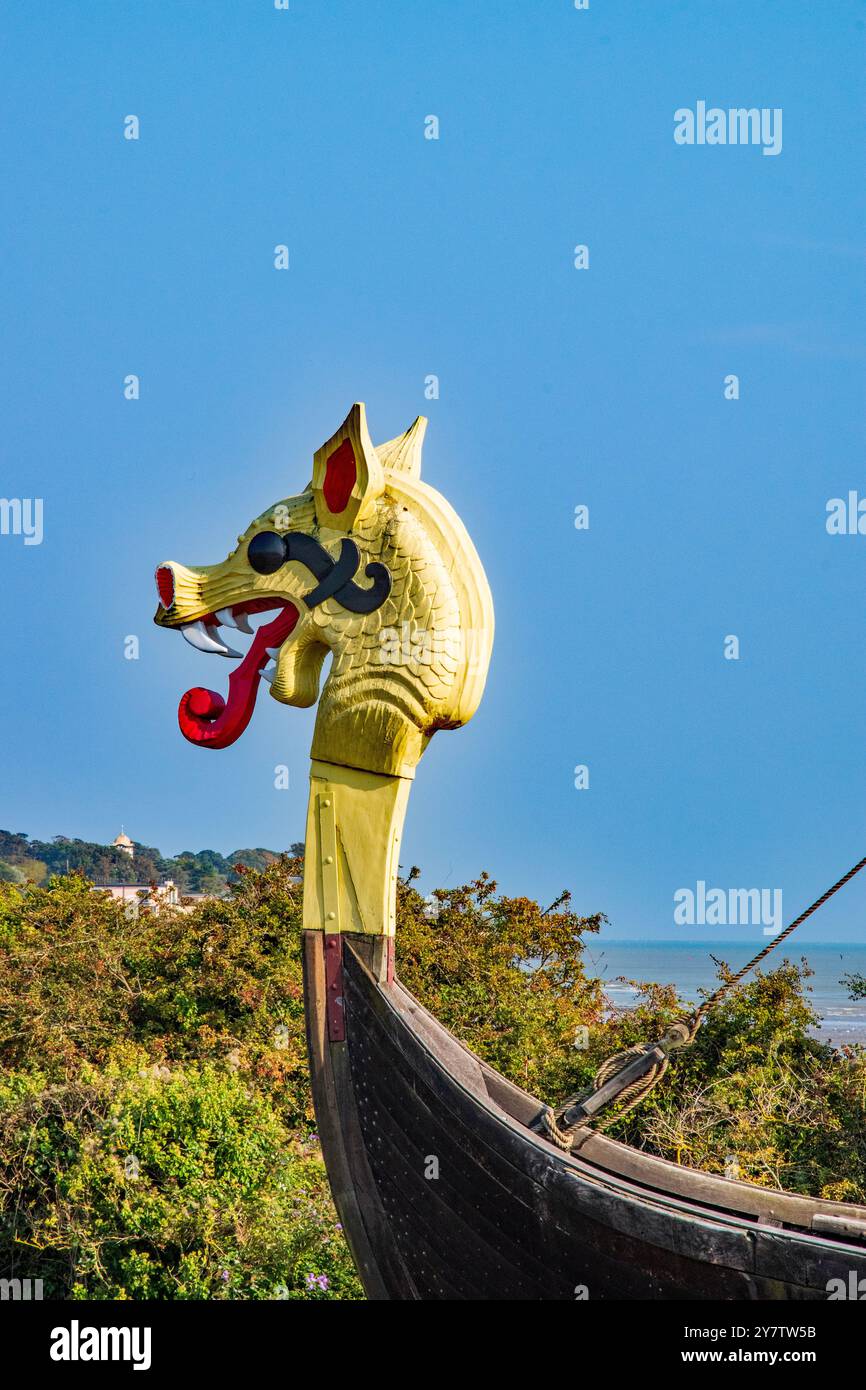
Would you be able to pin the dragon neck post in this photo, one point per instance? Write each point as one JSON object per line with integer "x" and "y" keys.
{"x": 373, "y": 567}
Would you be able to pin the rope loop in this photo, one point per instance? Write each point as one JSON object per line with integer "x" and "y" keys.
{"x": 557, "y": 1136}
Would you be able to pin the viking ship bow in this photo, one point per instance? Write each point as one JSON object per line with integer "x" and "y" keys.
{"x": 446, "y": 1185}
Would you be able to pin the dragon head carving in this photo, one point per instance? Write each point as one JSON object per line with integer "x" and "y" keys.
{"x": 368, "y": 564}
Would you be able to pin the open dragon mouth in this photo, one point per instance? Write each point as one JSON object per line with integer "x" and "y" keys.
{"x": 205, "y": 718}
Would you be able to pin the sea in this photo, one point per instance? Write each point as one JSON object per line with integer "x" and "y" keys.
{"x": 689, "y": 965}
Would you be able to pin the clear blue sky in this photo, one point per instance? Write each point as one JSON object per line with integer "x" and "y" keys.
{"x": 558, "y": 387}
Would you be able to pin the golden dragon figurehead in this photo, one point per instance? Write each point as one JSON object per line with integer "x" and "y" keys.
{"x": 368, "y": 564}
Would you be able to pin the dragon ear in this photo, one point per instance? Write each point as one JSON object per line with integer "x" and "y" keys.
{"x": 347, "y": 474}
{"x": 403, "y": 454}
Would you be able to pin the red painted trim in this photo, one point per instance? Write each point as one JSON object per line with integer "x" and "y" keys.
{"x": 340, "y": 475}
{"x": 165, "y": 586}
{"x": 334, "y": 1006}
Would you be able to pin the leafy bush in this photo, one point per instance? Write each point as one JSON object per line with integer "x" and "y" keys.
{"x": 149, "y": 1182}
{"x": 156, "y": 1126}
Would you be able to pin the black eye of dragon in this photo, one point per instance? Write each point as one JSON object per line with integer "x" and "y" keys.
{"x": 266, "y": 552}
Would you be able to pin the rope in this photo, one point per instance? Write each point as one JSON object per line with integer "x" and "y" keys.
{"x": 628, "y": 1098}
{"x": 560, "y": 1137}
{"x": 777, "y": 941}
{"x": 682, "y": 1034}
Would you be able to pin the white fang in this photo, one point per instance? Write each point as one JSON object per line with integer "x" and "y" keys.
{"x": 205, "y": 639}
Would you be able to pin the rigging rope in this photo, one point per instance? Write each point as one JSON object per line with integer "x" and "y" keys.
{"x": 777, "y": 941}
{"x": 637, "y": 1079}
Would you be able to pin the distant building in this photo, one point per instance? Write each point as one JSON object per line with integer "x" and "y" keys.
{"x": 144, "y": 897}
{"x": 124, "y": 844}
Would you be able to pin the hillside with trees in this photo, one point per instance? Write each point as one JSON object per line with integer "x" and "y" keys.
{"x": 201, "y": 871}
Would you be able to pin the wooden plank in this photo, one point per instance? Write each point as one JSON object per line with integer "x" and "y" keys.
{"x": 711, "y": 1189}
{"x": 794, "y": 1259}
{"x": 502, "y": 1183}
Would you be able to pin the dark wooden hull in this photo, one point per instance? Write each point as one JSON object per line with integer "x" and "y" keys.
{"x": 444, "y": 1192}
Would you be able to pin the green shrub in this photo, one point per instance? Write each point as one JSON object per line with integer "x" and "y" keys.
{"x": 149, "y": 1182}
{"x": 155, "y": 1114}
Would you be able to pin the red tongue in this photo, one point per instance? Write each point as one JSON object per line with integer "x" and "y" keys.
{"x": 207, "y": 719}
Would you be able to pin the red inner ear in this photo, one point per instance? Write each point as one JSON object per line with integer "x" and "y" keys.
{"x": 340, "y": 474}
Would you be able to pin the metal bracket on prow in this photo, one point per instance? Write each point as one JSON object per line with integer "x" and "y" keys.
{"x": 333, "y": 942}
{"x": 328, "y": 859}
